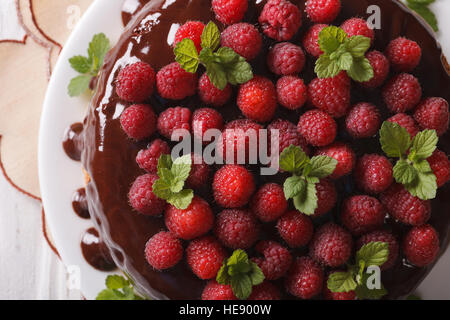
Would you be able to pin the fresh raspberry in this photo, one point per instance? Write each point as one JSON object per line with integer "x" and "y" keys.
{"x": 280, "y": 19}
{"x": 236, "y": 229}
{"x": 285, "y": 59}
{"x": 216, "y": 291}
{"x": 328, "y": 295}
{"x": 173, "y": 119}
{"x": 163, "y": 250}
{"x": 211, "y": 95}
{"x": 200, "y": 172}
{"x": 147, "y": 159}
{"x": 276, "y": 261}
{"x": 287, "y": 135}
{"x": 305, "y": 278}
{"x": 311, "y": 40}
{"x": 440, "y": 165}
{"x": 363, "y": 120}
{"x": 331, "y": 245}
{"x": 432, "y": 113}
{"x": 257, "y": 99}
{"x": 380, "y": 65}
{"x": 269, "y": 202}
{"x": 402, "y": 93}
{"x": 190, "y": 30}
{"x": 421, "y": 245}
{"x": 205, "y": 119}
{"x": 135, "y": 82}
{"x": 295, "y": 228}
{"x": 344, "y": 155}
{"x": 233, "y": 186}
{"x": 174, "y": 83}
{"x": 323, "y": 11}
{"x": 382, "y": 236}
{"x": 205, "y": 257}
{"x": 229, "y": 11}
{"x": 317, "y": 127}
{"x": 407, "y": 122}
{"x": 265, "y": 291}
{"x": 192, "y": 222}
{"x": 244, "y": 39}
{"x": 358, "y": 27}
{"x": 362, "y": 214}
{"x": 138, "y": 121}
{"x": 237, "y": 138}
{"x": 331, "y": 94}
{"x": 292, "y": 92}
{"x": 404, "y": 207}
{"x": 404, "y": 54}
{"x": 142, "y": 198}
{"x": 373, "y": 173}
{"x": 326, "y": 197}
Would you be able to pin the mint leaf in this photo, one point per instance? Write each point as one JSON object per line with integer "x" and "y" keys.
{"x": 217, "y": 75}
{"x": 322, "y": 166}
{"x": 182, "y": 199}
{"x": 421, "y": 8}
{"x": 362, "y": 292}
{"x": 211, "y": 36}
{"x": 239, "y": 72}
{"x": 294, "y": 186}
{"x": 227, "y": 56}
{"x": 341, "y": 282}
{"x": 330, "y": 39}
{"x": 306, "y": 202}
{"x": 186, "y": 55}
{"x": 326, "y": 67}
{"x": 164, "y": 162}
{"x": 424, "y": 186}
{"x": 181, "y": 167}
{"x": 162, "y": 189}
{"x": 394, "y": 139}
{"x": 413, "y": 297}
{"x": 292, "y": 159}
{"x": 79, "y": 85}
{"x": 361, "y": 70}
{"x": 422, "y": 2}
{"x": 241, "y": 285}
{"x": 373, "y": 253}
{"x": 80, "y": 64}
{"x": 256, "y": 274}
{"x": 357, "y": 46}
{"x": 404, "y": 172}
{"x": 118, "y": 288}
{"x": 116, "y": 282}
{"x": 97, "y": 50}
{"x": 345, "y": 61}
{"x": 222, "y": 275}
{"x": 424, "y": 144}
{"x": 238, "y": 263}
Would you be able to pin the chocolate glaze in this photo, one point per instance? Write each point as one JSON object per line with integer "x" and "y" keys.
{"x": 73, "y": 141}
{"x": 80, "y": 204}
{"x": 109, "y": 157}
{"x": 96, "y": 252}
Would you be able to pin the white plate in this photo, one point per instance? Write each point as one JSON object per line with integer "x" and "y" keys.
{"x": 60, "y": 177}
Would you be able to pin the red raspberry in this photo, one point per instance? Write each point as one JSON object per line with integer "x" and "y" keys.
{"x": 344, "y": 155}
{"x": 331, "y": 245}
{"x": 163, "y": 251}
{"x": 142, "y": 198}
{"x": 233, "y": 186}
{"x": 382, "y": 236}
{"x": 276, "y": 261}
{"x": 205, "y": 257}
{"x": 404, "y": 54}
{"x": 173, "y": 119}
{"x": 138, "y": 121}
{"x": 362, "y": 214}
{"x": 280, "y": 19}
{"x": 305, "y": 278}
{"x": 358, "y": 27}
{"x": 402, "y": 93}
{"x": 285, "y": 59}
{"x": 363, "y": 120}
{"x": 287, "y": 135}
{"x": 216, "y": 291}
{"x": 311, "y": 40}
{"x": 244, "y": 39}
{"x": 373, "y": 173}
{"x": 404, "y": 207}
{"x": 229, "y": 11}
{"x": 236, "y": 229}
{"x": 190, "y": 30}
{"x": 440, "y": 165}
{"x": 328, "y": 295}
{"x": 257, "y": 99}
{"x": 323, "y": 11}
{"x": 326, "y": 197}
{"x": 421, "y": 245}
{"x": 192, "y": 222}
{"x": 147, "y": 159}
{"x": 174, "y": 83}
{"x": 265, "y": 291}
{"x": 432, "y": 113}
{"x": 407, "y": 122}
{"x": 295, "y": 228}
{"x": 292, "y": 92}
{"x": 331, "y": 94}
{"x": 200, "y": 172}
{"x": 317, "y": 127}
{"x": 205, "y": 119}
{"x": 269, "y": 202}
{"x": 135, "y": 82}
{"x": 380, "y": 65}
{"x": 211, "y": 95}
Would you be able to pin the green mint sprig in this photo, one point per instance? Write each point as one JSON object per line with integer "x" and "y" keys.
{"x": 343, "y": 53}
{"x": 421, "y": 7}
{"x": 88, "y": 66}
{"x": 306, "y": 173}
{"x": 222, "y": 66}
{"x": 412, "y": 169}
{"x": 355, "y": 278}
{"x": 118, "y": 288}
{"x": 172, "y": 177}
{"x": 241, "y": 273}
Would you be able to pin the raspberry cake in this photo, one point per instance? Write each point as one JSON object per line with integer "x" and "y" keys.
{"x": 173, "y": 253}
